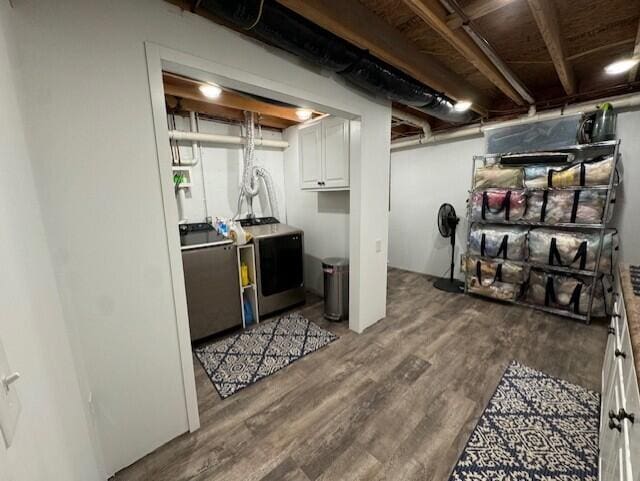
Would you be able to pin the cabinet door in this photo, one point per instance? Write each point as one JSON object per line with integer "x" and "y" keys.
{"x": 310, "y": 152}
{"x": 631, "y": 403}
{"x": 336, "y": 152}
{"x": 609, "y": 354}
{"x": 612, "y": 452}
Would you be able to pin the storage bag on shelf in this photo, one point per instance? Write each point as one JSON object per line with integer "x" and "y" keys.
{"x": 504, "y": 242}
{"x": 567, "y": 206}
{"x": 498, "y": 204}
{"x": 488, "y": 272}
{"x": 495, "y": 176}
{"x": 503, "y": 291}
{"x": 587, "y": 173}
{"x": 572, "y": 249}
{"x": 566, "y": 292}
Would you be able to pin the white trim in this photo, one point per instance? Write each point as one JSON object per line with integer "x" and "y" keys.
{"x": 154, "y": 56}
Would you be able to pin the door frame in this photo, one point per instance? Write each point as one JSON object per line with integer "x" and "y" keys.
{"x": 161, "y": 58}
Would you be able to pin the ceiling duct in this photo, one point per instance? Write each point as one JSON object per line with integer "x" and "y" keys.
{"x": 276, "y": 25}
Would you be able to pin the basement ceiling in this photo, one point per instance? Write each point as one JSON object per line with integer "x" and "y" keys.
{"x": 183, "y": 95}
{"x": 556, "y": 49}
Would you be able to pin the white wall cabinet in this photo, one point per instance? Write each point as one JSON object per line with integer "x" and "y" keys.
{"x": 620, "y": 409}
{"x": 324, "y": 155}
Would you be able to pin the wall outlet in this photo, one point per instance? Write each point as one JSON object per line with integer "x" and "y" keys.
{"x": 378, "y": 245}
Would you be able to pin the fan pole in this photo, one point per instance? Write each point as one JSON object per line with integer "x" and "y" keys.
{"x": 453, "y": 253}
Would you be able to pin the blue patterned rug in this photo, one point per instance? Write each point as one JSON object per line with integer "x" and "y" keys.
{"x": 535, "y": 428}
{"x": 244, "y": 358}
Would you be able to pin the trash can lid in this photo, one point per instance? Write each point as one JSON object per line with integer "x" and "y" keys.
{"x": 336, "y": 261}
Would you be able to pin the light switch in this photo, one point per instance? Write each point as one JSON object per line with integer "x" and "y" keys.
{"x": 378, "y": 245}
{"x": 9, "y": 402}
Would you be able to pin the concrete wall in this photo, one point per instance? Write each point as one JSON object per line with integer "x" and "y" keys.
{"x": 324, "y": 217}
{"x": 222, "y": 175}
{"x": 82, "y": 68}
{"x": 52, "y": 440}
{"x": 422, "y": 178}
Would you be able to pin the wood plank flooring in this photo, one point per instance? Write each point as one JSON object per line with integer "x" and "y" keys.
{"x": 397, "y": 402}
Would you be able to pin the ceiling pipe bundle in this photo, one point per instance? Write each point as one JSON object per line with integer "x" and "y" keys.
{"x": 225, "y": 139}
{"x": 278, "y": 26}
{"x": 620, "y": 102}
{"x": 413, "y": 120}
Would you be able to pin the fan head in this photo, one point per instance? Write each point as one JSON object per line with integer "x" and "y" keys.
{"x": 447, "y": 220}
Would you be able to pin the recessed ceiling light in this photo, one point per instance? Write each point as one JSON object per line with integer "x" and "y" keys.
{"x": 621, "y": 66}
{"x": 211, "y": 91}
{"x": 462, "y": 106}
{"x": 304, "y": 114}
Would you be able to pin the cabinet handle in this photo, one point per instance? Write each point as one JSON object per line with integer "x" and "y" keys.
{"x": 611, "y": 330}
{"x": 614, "y": 425}
{"x": 622, "y": 414}
{"x": 613, "y": 414}
{"x": 619, "y": 353}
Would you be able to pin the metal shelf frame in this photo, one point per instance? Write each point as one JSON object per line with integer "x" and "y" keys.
{"x": 581, "y": 153}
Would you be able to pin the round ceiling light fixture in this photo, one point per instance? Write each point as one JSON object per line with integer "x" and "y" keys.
{"x": 304, "y": 114}
{"x": 211, "y": 91}
{"x": 462, "y": 106}
{"x": 621, "y": 66}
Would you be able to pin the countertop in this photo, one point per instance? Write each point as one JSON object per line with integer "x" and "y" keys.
{"x": 198, "y": 239}
{"x": 271, "y": 230}
{"x": 632, "y": 305}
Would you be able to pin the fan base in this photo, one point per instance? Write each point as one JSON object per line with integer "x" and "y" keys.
{"x": 448, "y": 285}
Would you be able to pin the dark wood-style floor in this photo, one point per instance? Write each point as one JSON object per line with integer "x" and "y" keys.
{"x": 397, "y": 402}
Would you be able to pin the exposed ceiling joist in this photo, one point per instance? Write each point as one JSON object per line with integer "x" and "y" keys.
{"x": 357, "y": 24}
{"x": 545, "y": 15}
{"x": 435, "y": 15}
{"x": 633, "y": 73}
{"x": 220, "y": 112}
{"x": 188, "y": 89}
{"x": 476, "y": 10}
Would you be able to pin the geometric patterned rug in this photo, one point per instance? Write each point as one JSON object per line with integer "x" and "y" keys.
{"x": 535, "y": 428}
{"x": 244, "y": 358}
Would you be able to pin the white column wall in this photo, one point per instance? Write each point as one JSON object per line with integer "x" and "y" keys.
{"x": 86, "y": 98}
{"x": 52, "y": 439}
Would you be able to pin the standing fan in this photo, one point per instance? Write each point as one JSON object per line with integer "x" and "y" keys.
{"x": 447, "y": 223}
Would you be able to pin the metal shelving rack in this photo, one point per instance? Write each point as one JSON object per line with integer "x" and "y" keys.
{"x": 580, "y": 153}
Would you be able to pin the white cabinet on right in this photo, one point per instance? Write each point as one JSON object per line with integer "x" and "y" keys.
{"x": 620, "y": 408}
{"x": 324, "y": 155}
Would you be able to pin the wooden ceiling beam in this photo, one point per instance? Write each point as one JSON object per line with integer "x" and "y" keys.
{"x": 476, "y": 10}
{"x": 187, "y": 88}
{"x": 545, "y": 16}
{"x": 355, "y": 23}
{"x": 435, "y": 16}
{"x": 220, "y": 112}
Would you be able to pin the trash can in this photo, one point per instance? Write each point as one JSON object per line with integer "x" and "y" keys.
{"x": 336, "y": 288}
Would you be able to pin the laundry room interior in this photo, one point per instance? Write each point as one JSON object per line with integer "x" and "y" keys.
{"x": 314, "y": 240}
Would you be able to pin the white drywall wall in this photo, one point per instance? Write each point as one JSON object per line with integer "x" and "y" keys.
{"x": 223, "y": 174}
{"x": 87, "y": 106}
{"x": 324, "y": 217}
{"x": 422, "y": 179}
{"x": 52, "y": 440}
{"x": 627, "y": 215}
